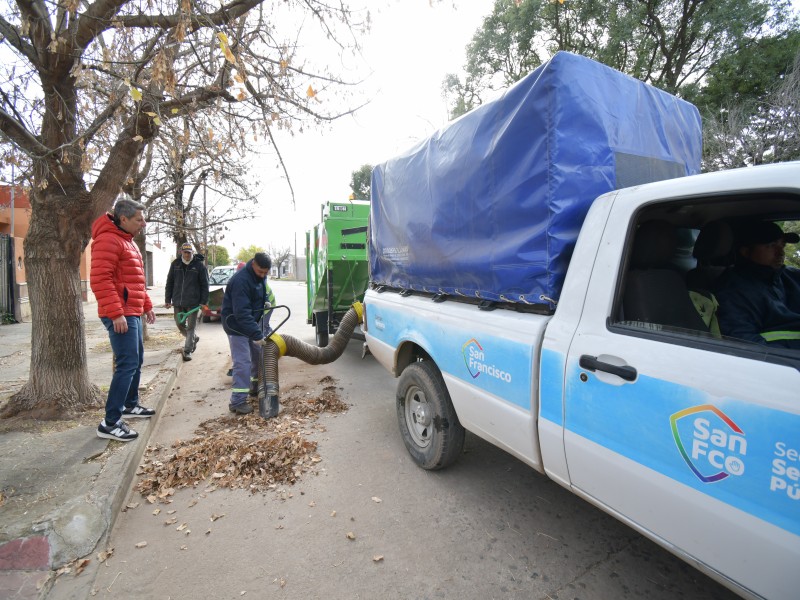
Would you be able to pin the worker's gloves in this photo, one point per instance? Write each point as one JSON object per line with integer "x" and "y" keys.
{"x": 262, "y": 341}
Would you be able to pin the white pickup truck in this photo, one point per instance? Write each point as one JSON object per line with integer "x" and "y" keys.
{"x": 614, "y": 384}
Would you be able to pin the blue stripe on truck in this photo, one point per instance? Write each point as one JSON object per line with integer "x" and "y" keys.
{"x": 551, "y": 384}
{"x": 744, "y": 454}
{"x": 494, "y": 364}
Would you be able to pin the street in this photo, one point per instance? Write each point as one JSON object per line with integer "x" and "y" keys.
{"x": 366, "y": 522}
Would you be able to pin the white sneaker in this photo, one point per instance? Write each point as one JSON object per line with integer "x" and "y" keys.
{"x": 120, "y": 432}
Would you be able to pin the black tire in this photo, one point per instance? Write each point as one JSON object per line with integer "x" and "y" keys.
{"x": 205, "y": 319}
{"x": 428, "y": 422}
{"x": 321, "y": 326}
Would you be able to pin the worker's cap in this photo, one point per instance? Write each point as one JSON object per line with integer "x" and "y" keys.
{"x": 187, "y": 247}
{"x": 765, "y": 232}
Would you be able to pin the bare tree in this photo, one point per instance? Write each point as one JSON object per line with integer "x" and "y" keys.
{"x": 86, "y": 86}
{"x": 279, "y": 256}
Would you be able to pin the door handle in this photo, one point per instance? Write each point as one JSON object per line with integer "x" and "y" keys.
{"x": 590, "y": 363}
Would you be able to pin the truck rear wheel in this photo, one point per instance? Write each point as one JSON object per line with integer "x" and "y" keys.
{"x": 321, "y": 327}
{"x": 428, "y": 422}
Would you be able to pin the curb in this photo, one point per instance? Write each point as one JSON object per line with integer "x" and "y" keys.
{"x": 132, "y": 459}
{"x": 109, "y": 492}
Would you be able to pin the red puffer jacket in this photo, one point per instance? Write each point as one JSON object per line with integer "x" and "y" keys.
{"x": 117, "y": 274}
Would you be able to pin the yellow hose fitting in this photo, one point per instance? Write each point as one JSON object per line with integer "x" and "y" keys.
{"x": 359, "y": 308}
{"x": 280, "y": 343}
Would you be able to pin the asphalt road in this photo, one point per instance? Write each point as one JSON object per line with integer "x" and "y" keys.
{"x": 487, "y": 527}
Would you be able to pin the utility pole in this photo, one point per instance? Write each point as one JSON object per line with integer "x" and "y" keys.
{"x": 13, "y": 185}
{"x": 205, "y": 240}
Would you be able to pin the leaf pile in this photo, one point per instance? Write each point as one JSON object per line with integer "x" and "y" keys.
{"x": 242, "y": 452}
{"x": 327, "y": 401}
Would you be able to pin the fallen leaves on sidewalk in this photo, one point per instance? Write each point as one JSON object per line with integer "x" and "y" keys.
{"x": 105, "y": 555}
{"x": 242, "y": 452}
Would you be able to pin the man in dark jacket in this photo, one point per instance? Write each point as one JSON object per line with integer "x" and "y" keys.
{"x": 760, "y": 298}
{"x": 242, "y": 311}
{"x": 187, "y": 288}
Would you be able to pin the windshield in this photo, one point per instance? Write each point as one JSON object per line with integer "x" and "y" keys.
{"x": 219, "y": 278}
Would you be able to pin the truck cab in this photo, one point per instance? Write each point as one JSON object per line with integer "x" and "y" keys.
{"x": 626, "y": 394}
{"x": 686, "y": 434}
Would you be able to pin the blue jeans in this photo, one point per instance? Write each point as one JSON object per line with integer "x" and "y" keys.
{"x": 246, "y": 357}
{"x": 128, "y": 349}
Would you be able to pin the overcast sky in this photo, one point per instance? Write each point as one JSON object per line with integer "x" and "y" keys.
{"x": 410, "y": 48}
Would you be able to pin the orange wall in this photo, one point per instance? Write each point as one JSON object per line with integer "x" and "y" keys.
{"x": 22, "y": 218}
{"x": 22, "y": 211}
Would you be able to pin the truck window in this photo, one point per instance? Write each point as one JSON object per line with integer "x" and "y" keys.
{"x": 686, "y": 276}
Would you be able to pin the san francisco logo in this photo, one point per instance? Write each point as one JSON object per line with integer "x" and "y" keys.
{"x": 475, "y": 360}
{"x": 712, "y": 445}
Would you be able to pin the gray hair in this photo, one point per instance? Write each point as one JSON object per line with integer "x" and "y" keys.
{"x": 125, "y": 207}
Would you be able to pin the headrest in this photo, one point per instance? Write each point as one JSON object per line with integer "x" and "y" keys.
{"x": 654, "y": 245}
{"x": 715, "y": 241}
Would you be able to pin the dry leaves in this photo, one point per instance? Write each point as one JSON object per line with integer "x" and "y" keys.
{"x": 80, "y": 565}
{"x": 242, "y": 452}
{"x": 105, "y": 555}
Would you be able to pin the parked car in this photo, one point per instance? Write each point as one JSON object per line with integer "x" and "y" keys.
{"x": 216, "y": 290}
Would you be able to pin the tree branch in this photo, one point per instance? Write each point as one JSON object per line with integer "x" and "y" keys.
{"x": 12, "y": 36}
{"x": 225, "y": 14}
{"x": 97, "y": 18}
{"x": 20, "y": 136}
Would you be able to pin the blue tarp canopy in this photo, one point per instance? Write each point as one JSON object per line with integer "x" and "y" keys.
{"x": 490, "y": 206}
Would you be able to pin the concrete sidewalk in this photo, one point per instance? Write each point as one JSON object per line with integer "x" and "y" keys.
{"x": 62, "y": 486}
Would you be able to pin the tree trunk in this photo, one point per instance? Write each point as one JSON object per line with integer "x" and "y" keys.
{"x": 59, "y": 384}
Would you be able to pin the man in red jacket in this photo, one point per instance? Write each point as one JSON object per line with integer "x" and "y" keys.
{"x": 118, "y": 283}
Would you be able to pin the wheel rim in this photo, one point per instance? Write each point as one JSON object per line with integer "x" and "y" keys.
{"x": 418, "y": 417}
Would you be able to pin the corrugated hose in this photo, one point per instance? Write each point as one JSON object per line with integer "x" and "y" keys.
{"x": 287, "y": 345}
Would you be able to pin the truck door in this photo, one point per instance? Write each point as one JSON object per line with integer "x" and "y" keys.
{"x": 691, "y": 439}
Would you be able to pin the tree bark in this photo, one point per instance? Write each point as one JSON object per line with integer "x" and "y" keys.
{"x": 59, "y": 384}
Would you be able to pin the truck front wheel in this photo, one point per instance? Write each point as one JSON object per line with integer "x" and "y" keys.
{"x": 428, "y": 423}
